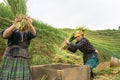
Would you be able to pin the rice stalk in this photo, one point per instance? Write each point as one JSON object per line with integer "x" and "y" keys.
{"x": 5, "y": 12}
{"x": 18, "y": 7}
{"x": 81, "y": 29}
{"x": 44, "y": 77}
{"x": 6, "y": 20}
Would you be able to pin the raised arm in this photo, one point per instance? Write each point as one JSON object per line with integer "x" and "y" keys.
{"x": 71, "y": 47}
{"x": 32, "y": 29}
{"x": 8, "y": 31}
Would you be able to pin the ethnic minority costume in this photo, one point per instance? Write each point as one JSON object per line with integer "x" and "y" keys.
{"x": 15, "y": 63}
{"x": 90, "y": 56}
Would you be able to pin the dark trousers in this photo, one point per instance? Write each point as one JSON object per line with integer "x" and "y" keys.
{"x": 91, "y": 74}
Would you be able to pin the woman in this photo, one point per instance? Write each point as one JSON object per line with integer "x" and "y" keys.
{"x": 90, "y": 54}
{"x": 15, "y": 64}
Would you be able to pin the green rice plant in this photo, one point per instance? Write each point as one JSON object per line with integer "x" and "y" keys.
{"x": 18, "y": 7}
{"x": 5, "y": 12}
{"x": 63, "y": 56}
{"x": 44, "y": 77}
{"x": 4, "y": 20}
{"x": 6, "y": 16}
{"x": 39, "y": 59}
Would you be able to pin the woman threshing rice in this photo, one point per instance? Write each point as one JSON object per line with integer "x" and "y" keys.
{"x": 89, "y": 53}
{"x": 15, "y": 64}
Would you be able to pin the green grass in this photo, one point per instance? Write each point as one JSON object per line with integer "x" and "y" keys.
{"x": 106, "y": 41}
{"x": 102, "y": 72}
{"x": 117, "y": 77}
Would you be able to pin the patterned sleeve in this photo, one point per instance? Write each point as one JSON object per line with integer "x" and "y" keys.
{"x": 78, "y": 45}
{"x": 31, "y": 36}
{"x": 72, "y": 48}
{"x": 81, "y": 43}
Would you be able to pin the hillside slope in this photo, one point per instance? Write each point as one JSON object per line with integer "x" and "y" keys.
{"x": 107, "y": 42}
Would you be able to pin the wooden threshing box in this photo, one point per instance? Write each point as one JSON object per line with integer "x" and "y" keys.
{"x": 60, "y": 72}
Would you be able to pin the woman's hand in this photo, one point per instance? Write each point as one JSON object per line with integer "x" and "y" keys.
{"x": 67, "y": 41}
{"x": 96, "y": 51}
{"x": 28, "y": 19}
{"x": 32, "y": 29}
{"x": 9, "y": 30}
{"x": 17, "y": 19}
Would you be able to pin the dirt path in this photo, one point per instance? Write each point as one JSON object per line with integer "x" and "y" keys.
{"x": 109, "y": 72}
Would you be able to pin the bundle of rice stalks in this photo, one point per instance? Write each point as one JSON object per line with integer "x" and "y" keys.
{"x": 18, "y": 9}
{"x": 6, "y": 15}
{"x": 5, "y": 11}
{"x": 23, "y": 24}
{"x": 5, "y": 21}
{"x": 81, "y": 29}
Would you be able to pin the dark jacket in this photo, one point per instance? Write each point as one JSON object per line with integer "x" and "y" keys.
{"x": 18, "y": 43}
{"x": 20, "y": 39}
{"x": 84, "y": 46}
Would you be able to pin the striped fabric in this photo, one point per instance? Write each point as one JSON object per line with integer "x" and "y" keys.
{"x": 15, "y": 69}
